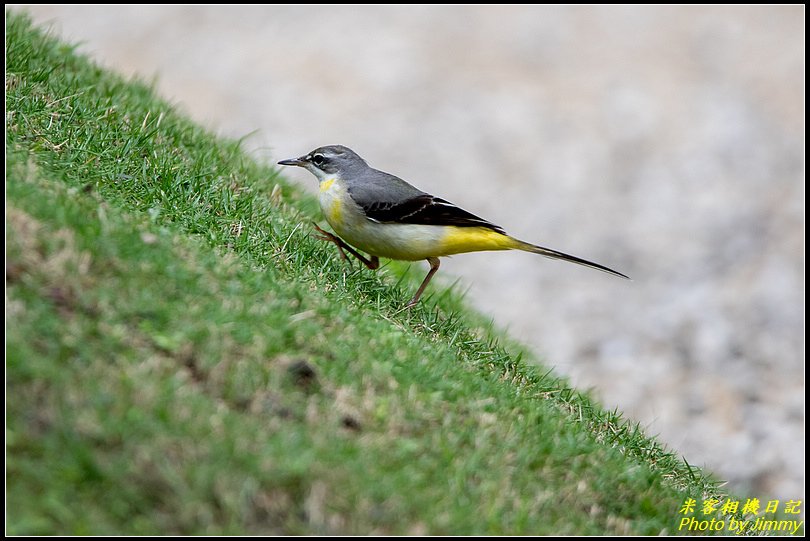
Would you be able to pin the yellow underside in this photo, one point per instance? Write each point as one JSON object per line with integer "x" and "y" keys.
{"x": 413, "y": 242}
{"x": 331, "y": 205}
{"x": 458, "y": 240}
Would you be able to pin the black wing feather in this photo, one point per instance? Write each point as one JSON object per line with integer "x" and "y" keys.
{"x": 426, "y": 209}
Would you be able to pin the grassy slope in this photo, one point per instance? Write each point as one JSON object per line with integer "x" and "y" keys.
{"x": 183, "y": 357}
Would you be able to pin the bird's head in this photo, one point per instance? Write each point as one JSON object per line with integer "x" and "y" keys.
{"x": 329, "y": 161}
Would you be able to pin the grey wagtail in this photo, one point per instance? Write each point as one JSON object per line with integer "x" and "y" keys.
{"x": 386, "y": 217}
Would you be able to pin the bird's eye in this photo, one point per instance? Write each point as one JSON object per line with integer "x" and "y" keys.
{"x": 318, "y": 159}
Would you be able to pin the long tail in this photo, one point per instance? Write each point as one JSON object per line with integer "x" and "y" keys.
{"x": 554, "y": 254}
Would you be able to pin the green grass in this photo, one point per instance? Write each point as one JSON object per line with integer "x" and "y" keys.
{"x": 183, "y": 357}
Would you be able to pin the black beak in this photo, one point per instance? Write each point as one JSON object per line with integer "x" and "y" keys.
{"x": 296, "y": 161}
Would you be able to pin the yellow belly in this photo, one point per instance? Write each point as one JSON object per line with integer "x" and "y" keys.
{"x": 459, "y": 240}
{"x": 408, "y": 242}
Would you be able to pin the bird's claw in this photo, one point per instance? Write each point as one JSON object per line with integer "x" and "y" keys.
{"x": 329, "y": 237}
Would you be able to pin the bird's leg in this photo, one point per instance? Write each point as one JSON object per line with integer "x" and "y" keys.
{"x": 434, "y": 266}
{"x": 329, "y": 237}
{"x": 372, "y": 263}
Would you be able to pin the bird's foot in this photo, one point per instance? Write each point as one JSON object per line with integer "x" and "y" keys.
{"x": 329, "y": 237}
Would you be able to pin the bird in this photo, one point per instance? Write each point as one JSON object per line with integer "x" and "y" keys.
{"x": 385, "y": 216}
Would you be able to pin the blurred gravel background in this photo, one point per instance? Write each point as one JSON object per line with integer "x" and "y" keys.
{"x": 666, "y": 142}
